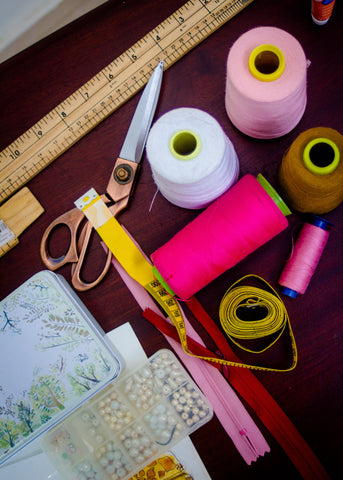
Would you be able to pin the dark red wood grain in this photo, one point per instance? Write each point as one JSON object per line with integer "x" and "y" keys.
{"x": 36, "y": 80}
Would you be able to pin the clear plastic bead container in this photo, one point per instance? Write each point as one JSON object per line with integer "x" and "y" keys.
{"x": 129, "y": 423}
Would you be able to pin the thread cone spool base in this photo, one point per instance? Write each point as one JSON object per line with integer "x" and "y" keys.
{"x": 311, "y": 171}
{"x": 193, "y": 162}
{"x": 273, "y": 195}
{"x": 266, "y": 83}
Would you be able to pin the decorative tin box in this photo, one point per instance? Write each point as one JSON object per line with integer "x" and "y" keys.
{"x": 53, "y": 357}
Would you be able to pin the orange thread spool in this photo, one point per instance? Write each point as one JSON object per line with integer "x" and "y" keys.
{"x": 311, "y": 171}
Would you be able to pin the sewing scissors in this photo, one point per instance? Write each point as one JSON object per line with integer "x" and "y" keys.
{"x": 118, "y": 191}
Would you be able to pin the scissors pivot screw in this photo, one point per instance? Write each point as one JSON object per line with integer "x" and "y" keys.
{"x": 123, "y": 174}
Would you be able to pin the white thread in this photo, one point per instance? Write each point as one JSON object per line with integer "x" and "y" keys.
{"x": 201, "y": 177}
{"x": 153, "y": 200}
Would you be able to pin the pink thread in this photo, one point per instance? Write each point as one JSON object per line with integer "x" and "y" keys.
{"x": 304, "y": 259}
{"x": 266, "y": 109}
{"x": 232, "y": 227}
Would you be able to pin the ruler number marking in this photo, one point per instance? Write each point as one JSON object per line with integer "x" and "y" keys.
{"x": 80, "y": 112}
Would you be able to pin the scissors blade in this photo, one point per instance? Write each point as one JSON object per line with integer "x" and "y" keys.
{"x": 134, "y": 143}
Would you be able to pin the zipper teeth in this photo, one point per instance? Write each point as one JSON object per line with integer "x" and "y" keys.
{"x": 242, "y": 430}
{"x": 289, "y": 438}
{"x": 204, "y": 368}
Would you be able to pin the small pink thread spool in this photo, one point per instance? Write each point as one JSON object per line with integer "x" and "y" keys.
{"x": 305, "y": 256}
{"x": 248, "y": 215}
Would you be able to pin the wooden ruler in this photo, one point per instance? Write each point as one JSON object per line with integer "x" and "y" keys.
{"x": 15, "y": 216}
{"x": 110, "y": 88}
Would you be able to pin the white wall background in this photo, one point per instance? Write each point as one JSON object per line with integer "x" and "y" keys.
{"x": 24, "y": 22}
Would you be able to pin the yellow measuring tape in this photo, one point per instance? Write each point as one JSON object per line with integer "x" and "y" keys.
{"x": 63, "y": 126}
{"x": 248, "y": 312}
{"x": 138, "y": 267}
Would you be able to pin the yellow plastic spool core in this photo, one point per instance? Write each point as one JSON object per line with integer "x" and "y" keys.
{"x": 266, "y": 62}
{"x": 321, "y": 156}
{"x": 185, "y": 145}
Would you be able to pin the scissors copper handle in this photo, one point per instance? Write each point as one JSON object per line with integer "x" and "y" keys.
{"x": 82, "y": 248}
{"x": 83, "y": 243}
{"x": 77, "y": 250}
{"x": 72, "y": 221}
{"x": 78, "y": 246}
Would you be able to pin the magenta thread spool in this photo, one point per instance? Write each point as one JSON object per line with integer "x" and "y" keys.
{"x": 305, "y": 256}
{"x": 245, "y": 217}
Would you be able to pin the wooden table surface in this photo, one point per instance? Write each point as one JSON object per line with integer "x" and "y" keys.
{"x": 33, "y": 82}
